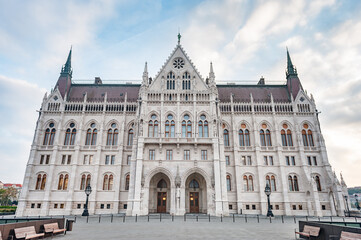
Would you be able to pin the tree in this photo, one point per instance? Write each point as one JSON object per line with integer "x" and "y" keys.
{"x": 7, "y": 196}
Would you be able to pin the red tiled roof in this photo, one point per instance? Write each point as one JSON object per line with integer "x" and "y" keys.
{"x": 12, "y": 184}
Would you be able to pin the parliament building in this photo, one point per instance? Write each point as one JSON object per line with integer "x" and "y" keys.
{"x": 179, "y": 143}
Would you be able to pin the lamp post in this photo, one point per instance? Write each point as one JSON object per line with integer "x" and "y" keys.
{"x": 348, "y": 210}
{"x": 267, "y": 191}
{"x": 357, "y": 203}
{"x": 88, "y": 190}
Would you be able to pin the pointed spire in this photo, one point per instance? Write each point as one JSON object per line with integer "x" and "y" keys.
{"x": 212, "y": 77}
{"x": 66, "y": 69}
{"x": 146, "y": 67}
{"x": 291, "y": 70}
{"x": 145, "y": 75}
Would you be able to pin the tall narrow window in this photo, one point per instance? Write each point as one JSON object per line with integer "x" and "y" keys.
{"x": 66, "y": 180}
{"x": 245, "y": 183}
{"x": 284, "y": 138}
{"x": 127, "y": 182}
{"x": 82, "y": 182}
{"x": 290, "y": 183}
{"x": 91, "y": 135}
{"x": 49, "y": 135}
{"x": 289, "y": 138}
{"x": 310, "y": 138}
{"x": 152, "y": 154}
{"x": 204, "y": 154}
{"x": 169, "y": 155}
{"x": 88, "y": 178}
{"x": 112, "y": 135}
{"x": 187, "y": 155}
{"x": 250, "y": 183}
{"x": 105, "y": 182}
{"x": 186, "y": 83}
{"x": 263, "y": 137}
{"x": 130, "y": 137}
{"x": 203, "y": 127}
{"x": 273, "y": 183}
{"x": 228, "y": 183}
{"x": 153, "y": 126}
{"x": 38, "y": 182}
{"x": 61, "y": 181}
{"x": 268, "y": 138}
{"x": 226, "y": 137}
{"x": 304, "y": 138}
{"x": 241, "y": 137}
{"x": 295, "y": 183}
{"x": 318, "y": 183}
{"x": 110, "y": 185}
{"x": 70, "y": 135}
{"x": 43, "y": 182}
{"x": 170, "y": 80}
{"x": 247, "y": 139}
{"x": 186, "y": 127}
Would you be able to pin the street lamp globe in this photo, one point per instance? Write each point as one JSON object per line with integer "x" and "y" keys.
{"x": 88, "y": 190}
{"x": 267, "y": 190}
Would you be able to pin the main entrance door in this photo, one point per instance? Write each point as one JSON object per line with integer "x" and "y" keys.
{"x": 194, "y": 202}
{"x": 162, "y": 202}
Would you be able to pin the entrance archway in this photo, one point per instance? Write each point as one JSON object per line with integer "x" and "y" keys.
{"x": 159, "y": 194}
{"x": 196, "y": 194}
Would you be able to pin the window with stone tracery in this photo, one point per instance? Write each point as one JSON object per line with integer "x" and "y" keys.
{"x": 186, "y": 82}
{"x": 112, "y": 135}
{"x": 153, "y": 126}
{"x": 248, "y": 183}
{"x": 271, "y": 181}
{"x": 70, "y": 134}
{"x": 63, "y": 182}
{"x": 265, "y": 135}
{"x": 169, "y": 126}
{"x": 40, "y": 182}
{"x": 286, "y": 136}
{"x": 49, "y": 135}
{"x": 171, "y": 81}
{"x": 91, "y": 135}
{"x": 307, "y": 136}
{"x": 203, "y": 127}
{"x": 108, "y": 182}
{"x": 243, "y": 136}
{"x": 293, "y": 183}
{"x": 186, "y": 127}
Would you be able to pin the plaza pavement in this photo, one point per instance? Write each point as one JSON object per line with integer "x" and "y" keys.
{"x": 165, "y": 228}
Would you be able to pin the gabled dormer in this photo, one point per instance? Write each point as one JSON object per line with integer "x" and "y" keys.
{"x": 178, "y": 74}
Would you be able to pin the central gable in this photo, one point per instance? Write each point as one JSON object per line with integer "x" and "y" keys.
{"x": 178, "y": 74}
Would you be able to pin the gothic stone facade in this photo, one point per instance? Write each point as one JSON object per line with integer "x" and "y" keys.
{"x": 179, "y": 143}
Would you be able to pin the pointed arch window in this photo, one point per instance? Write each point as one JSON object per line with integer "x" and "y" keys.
{"x": 162, "y": 184}
{"x": 153, "y": 126}
{"x": 263, "y": 137}
{"x": 186, "y": 83}
{"x": 226, "y": 137}
{"x": 310, "y": 138}
{"x": 127, "y": 178}
{"x": 70, "y": 134}
{"x": 307, "y": 136}
{"x": 295, "y": 183}
{"x": 271, "y": 181}
{"x": 229, "y": 187}
{"x": 169, "y": 126}
{"x": 304, "y": 138}
{"x": 268, "y": 138}
{"x": 290, "y": 183}
{"x": 130, "y": 137}
{"x": 318, "y": 183}
{"x": 85, "y": 181}
{"x": 171, "y": 80}
{"x": 63, "y": 182}
{"x": 43, "y": 182}
{"x": 49, "y": 135}
{"x": 91, "y": 135}
{"x": 243, "y": 136}
{"x": 194, "y": 184}
{"x": 186, "y": 127}
{"x": 112, "y": 135}
{"x": 203, "y": 127}
{"x": 40, "y": 182}
{"x": 286, "y": 135}
{"x": 108, "y": 182}
{"x": 248, "y": 183}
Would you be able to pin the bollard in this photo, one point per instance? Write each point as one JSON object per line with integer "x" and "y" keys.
{"x": 221, "y": 217}
{"x": 75, "y": 219}
{"x": 331, "y": 218}
{"x": 172, "y": 217}
{"x": 294, "y": 218}
{"x": 148, "y": 217}
{"x": 100, "y": 217}
{"x": 319, "y": 219}
{"x": 270, "y": 219}
{"x": 123, "y": 218}
{"x": 197, "y": 218}
{"x": 355, "y": 219}
{"x": 307, "y": 218}
{"x": 245, "y": 217}
{"x": 87, "y": 219}
{"x": 160, "y": 217}
{"x": 209, "y": 217}
{"x": 282, "y": 219}
{"x": 257, "y": 218}
{"x": 233, "y": 217}
{"x": 111, "y": 218}
{"x": 185, "y": 218}
{"x": 343, "y": 219}
{"x": 136, "y": 217}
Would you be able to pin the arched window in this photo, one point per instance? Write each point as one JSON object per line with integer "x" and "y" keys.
{"x": 310, "y": 138}
{"x": 170, "y": 80}
{"x": 226, "y": 137}
{"x": 268, "y": 138}
{"x": 112, "y": 135}
{"x": 66, "y": 180}
{"x": 248, "y": 183}
{"x": 49, "y": 135}
{"x": 61, "y": 181}
{"x": 289, "y": 138}
{"x": 153, "y": 126}
{"x": 130, "y": 137}
{"x": 169, "y": 126}
{"x": 286, "y": 136}
{"x": 127, "y": 182}
{"x": 105, "y": 182}
{"x": 194, "y": 184}
{"x": 186, "y": 84}
{"x": 82, "y": 183}
{"x": 229, "y": 183}
{"x": 43, "y": 182}
{"x": 186, "y": 127}
{"x": 247, "y": 139}
{"x": 295, "y": 183}
{"x": 241, "y": 138}
{"x": 38, "y": 182}
{"x": 110, "y": 186}
{"x": 70, "y": 135}
{"x": 203, "y": 127}
{"x": 271, "y": 181}
{"x": 290, "y": 183}
{"x": 318, "y": 183}
{"x": 88, "y": 178}
{"x": 91, "y": 135}
{"x": 162, "y": 184}
{"x": 263, "y": 137}
{"x": 304, "y": 138}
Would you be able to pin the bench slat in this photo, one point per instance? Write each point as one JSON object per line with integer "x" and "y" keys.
{"x": 350, "y": 236}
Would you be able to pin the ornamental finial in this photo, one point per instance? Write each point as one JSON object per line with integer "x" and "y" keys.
{"x": 179, "y": 37}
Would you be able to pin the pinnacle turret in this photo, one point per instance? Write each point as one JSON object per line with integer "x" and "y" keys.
{"x": 145, "y": 74}
{"x": 66, "y": 69}
{"x": 291, "y": 70}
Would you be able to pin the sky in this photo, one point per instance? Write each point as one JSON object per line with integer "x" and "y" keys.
{"x": 245, "y": 39}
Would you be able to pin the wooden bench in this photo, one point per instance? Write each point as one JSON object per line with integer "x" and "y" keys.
{"x": 309, "y": 231}
{"x": 350, "y": 236}
{"x": 53, "y": 228}
{"x": 27, "y": 233}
